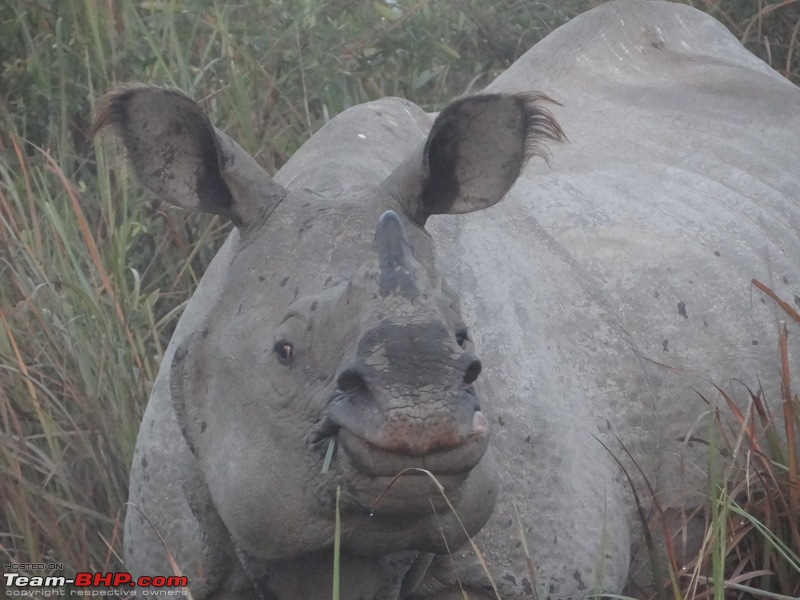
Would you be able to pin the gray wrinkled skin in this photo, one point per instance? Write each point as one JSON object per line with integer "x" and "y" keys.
{"x": 636, "y": 246}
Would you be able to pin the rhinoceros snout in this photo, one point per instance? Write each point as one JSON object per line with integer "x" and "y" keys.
{"x": 414, "y": 417}
{"x": 352, "y": 379}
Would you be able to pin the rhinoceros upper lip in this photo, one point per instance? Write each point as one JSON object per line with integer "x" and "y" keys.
{"x": 379, "y": 462}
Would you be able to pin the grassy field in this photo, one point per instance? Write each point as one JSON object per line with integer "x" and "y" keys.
{"x": 93, "y": 273}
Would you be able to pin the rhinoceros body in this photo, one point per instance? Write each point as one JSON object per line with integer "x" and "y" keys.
{"x": 633, "y": 249}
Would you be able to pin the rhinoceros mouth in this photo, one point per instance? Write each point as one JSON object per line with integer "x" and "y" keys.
{"x": 374, "y": 461}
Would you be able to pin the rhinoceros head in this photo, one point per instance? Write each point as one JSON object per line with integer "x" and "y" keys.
{"x": 333, "y": 324}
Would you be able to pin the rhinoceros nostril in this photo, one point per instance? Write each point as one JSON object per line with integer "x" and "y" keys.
{"x": 472, "y": 372}
{"x": 350, "y": 380}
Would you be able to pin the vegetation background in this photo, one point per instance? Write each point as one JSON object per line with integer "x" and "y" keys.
{"x": 94, "y": 273}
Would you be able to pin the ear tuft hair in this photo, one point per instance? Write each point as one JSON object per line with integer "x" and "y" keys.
{"x": 111, "y": 110}
{"x": 542, "y": 126}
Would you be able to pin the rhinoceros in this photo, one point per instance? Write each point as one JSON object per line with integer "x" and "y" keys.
{"x": 509, "y": 353}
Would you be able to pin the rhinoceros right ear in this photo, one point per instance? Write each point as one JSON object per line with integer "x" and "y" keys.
{"x": 183, "y": 159}
{"x": 474, "y": 153}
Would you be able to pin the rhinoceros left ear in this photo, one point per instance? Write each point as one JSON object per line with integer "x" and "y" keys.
{"x": 183, "y": 159}
{"x": 474, "y": 153}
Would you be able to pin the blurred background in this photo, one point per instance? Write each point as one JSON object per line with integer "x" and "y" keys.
{"x": 94, "y": 272}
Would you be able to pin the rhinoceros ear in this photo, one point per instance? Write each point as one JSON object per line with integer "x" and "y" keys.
{"x": 474, "y": 154}
{"x": 182, "y": 158}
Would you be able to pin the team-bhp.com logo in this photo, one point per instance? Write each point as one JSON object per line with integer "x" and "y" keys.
{"x": 93, "y": 584}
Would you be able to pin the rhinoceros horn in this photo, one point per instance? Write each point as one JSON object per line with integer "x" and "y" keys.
{"x": 397, "y": 273}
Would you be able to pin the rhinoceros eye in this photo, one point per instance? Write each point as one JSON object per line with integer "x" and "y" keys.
{"x": 462, "y": 336}
{"x": 284, "y": 350}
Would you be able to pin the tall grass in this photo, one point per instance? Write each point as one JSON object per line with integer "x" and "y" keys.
{"x": 751, "y": 542}
{"x": 93, "y": 274}
{"x": 752, "y": 546}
